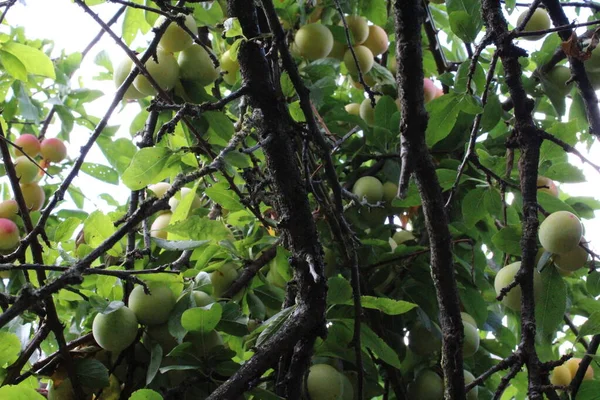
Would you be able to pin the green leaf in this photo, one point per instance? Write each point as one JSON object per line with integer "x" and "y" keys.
{"x": 145, "y": 394}
{"x": 508, "y": 240}
{"x": 65, "y": 229}
{"x": 97, "y": 228}
{"x": 149, "y": 165}
{"x": 101, "y": 172}
{"x": 473, "y": 209}
{"x": 209, "y": 14}
{"x": 339, "y": 290}
{"x": 134, "y": 22}
{"x": 34, "y": 60}
{"x": 232, "y": 28}
{"x": 221, "y": 194}
{"x": 591, "y": 326}
{"x": 552, "y": 204}
{"x": 384, "y": 109}
{"x": 179, "y": 245}
{"x": 273, "y": 324}
{"x": 156, "y": 356}
{"x": 380, "y": 348}
{"x": 13, "y": 66}
{"x": 20, "y": 392}
{"x": 589, "y": 390}
{"x": 443, "y": 113}
{"x": 385, "y": 305}
{"x": 10, "y": 347}
{"x": 375, "y": 11}
{"x": 464, "y": 25}
{"x": 202, "y": 319}
{"x": 91, "y": 373}
{"x": 552, "y": 303}
{"x": 565, "y": 172}
{"x": 201, "y": 228}
{"x": 219, "y": 124}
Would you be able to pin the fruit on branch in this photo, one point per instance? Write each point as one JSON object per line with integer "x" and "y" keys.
{"x": 153, "y": 308}
{"x": 175, "y": 37}
{"x": 540, "y": 21}
{"x": 34, "y": 196}
{"x": 230, "y": 68}
{"x": 367, "y": 112}
{"x": 63, "y": 390}
{"x": 430, "y": 90}
{"x": 120, "y": 72}
{"x": 202, "y": 343}
{"x": 29, "y": 143}
{"x": 423, "y": 341}
{"x": 174, "y": 201}
{"x": 314, "y": 41}
{"x": 116, "y": 330}
{"x": 560, "y": 232}
{"x": 159, "y": 189}
{"x": 468, "y": 319}
{"x": 347, "y": 388}
{"x": 165, "y": 72}
{"x": 390, "y": 190}
{"x": 357, "y": 27}
{"x": 364, "y": 58}
{"x": 25, "y": 169}
{"x": 559, "y": 76}
{"x": 561, "y": 376}
{"x": 324, "y": 382}
{"x": 571, "y": 261}
{"x": 222, "y": 278}
{"x": 472, "y": 395}
{"x": 338, "y": 50}
{"x": 9, "y": 209}
{"x": 506, "y": 276}
{"x": 369, "y": 188}
{"x": 195, "y": 65}
{"x": 353, "y": 109}
{"x": 9, "y": 234}
{"x": 471, "y": 343}
{"x": 547, "y": 185}
{"x": 428, "y": 385}
{"x": 53, "y": 149}
{"x": 403, "y": 236}
{"x": 377, "y": 41}
{"x": 202, "y": 298}
{"x": 573, "y": 365}
{"x": 159, "y": 226}
{"x": 161, "y": 335}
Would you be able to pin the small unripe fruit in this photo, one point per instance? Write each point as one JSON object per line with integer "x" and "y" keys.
{"x": 53, "y": 150}
{"x": 390, "y": 190}
{"x": 571, "y": 261}
{"x": 115, "y": 331}
{"x": 353, "y": 109}
{"x": 377, "y": 41}
{"x": 175, "y": 38}
{"x": 195, "y": 65}
{"x": 547, "y": 185}
{"x": 423, "y": 341}
{"x": 120, "y": 72}
{"x": 506, "y": 276}
{"x": 314, "y": 41}
{"x": 165, "y": 73}
{"x": 9, "y": 234}
{"x": 430, "y": 90}
{"x": 324, "y": 382}
{"x": 559, "y": 76}
{"x": 34, "y": 196}
{"x": 29, "y": 143}
{"x": 358, "y": 28}
{"x": 468, "y": 319}
{"x": 230, "y": 68}
{"x": 573, "y": 365}
{"x": 159, "y": 189}
{"x": 174, "y": 201}
{"x": 427, "y": 386}
{"x": 472, "y": 395}
{"x": 348, "y": 389}
{"x": 222, "y": 278}
{"x": 9, "y": 209}
{"x": 370, "y": 188}
{"x": 158, "y": 228}
{"x": 338, "y": 50}
{"x": 161, "y": 335}
{"x": 471, "y": 343}
{"x": 540, "y": 20}
{"x": 25, "y": 169}
{"x": 153, "y": 308}
{"x": 367, "y": 112}
{"x": 202, "y": 299}
{"x": 560, "y": 232}
{"x": 403, "y": 236}
{"x": 364, "y": 58}
{"x": 561, "y": 376}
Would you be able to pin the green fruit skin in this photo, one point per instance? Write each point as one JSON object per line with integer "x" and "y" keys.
{"x": 427, "y": 386}
{"x": 202, "y": 299}
{"x": 353, "y": 109}
{"x": 34, "y": 196}
{"x": 338, "y": 50}
{"x": 230, "y": 68}
{"x": 367, "y": 112}
{"x": 559, "y": 75}
{"x": 115, "y": 331}
{"x": 348, "y": 389}
{"x": 472, "y": 395}
{"x": 26, "y": 170}
{"x": 175, "y": 38}
{"x": 540, "y": 20}
{"x": 468, "y": 318}
{"x": 505, "y": 276}
{"x": 121, "y": 70}
{"x": 364, "y": 58}
{"x": 165, "y": 73}
{"x": 390, "y": 190}
{"x": 424, "y": 342}
{"x": 377, "y": 41}
{"x": 560, "y": 232}
{"x": 152, "y": 309}
{"x": 9, "y": 209}
{"x": 471, "y": 343}
{"x": 547, "y": 185}
{"x": 223, "y": 278}
{"x": 324, "y": 382}
{"x": 314, "y": 41}
{"x": 358, "y": 28}
{"x": 370, "y": 188}
{"x": 572, "y": 260}
{"x": 195, "y": 65}
{"x": 202, "y": 343}
{"x": 403, "y": 236}
{"x": 157, "y": 229}
{"x": 160, "y": 334}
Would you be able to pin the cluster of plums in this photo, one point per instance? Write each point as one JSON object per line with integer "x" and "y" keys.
{"x": 159, "y": 226}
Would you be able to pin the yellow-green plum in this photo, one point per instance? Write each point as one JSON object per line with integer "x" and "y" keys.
{"x": 390, "y": 189}
{"x": 471, "y": 343}
{"x": 367, "y": 112}
{"x": 53, "y": 149}
{"x": 158, "y": 228}
{"x": 29, "y": 143}
{"x": 195, "y": 65}
{"x": 347, "y": 388}
{"x": 25, "y": 169}
{"x": 468, "y": 319}
{"x": 324, "y": 382}
{"x": 34, "y": 196}
{"x": 159, "y": 189}
{"x": 176, "y": 38}
{"x": 174, "y": 201}
{"x": 403, "y": 236}
{"x": 560, "y": 232}
{"x": 559, "y": 75}
{"x": 153, "y": 308}
{"x": 222, "y": 278}
{"x": 314, "y": 41}
{"x": 338, "y": 50}
{"x": 506, "y": 276}
{"x": 165, "y": 72}
{"x": 573, "y": 365}
{"x": 202, "y": 298}
{"x": 120, "y": 72}
{"x": 364, "y": 58}
{"x": 377, "y": 41}
{"x": 358, "y": 28}
{"x": 230, "y": 68}
{"x": 592, "y": 65}
{"x": 353, "y": 109}
{"x": 9, "y": 234}
{"x": 540, "y": 20}
{"x": 472, "y": 395}
{"x": 115, "y": 331}
{"x": 428, "y": 385}
{"x": 423, "y": 341}
{"x": 9, "y": 209}
{"x": 369, "y": 188}
{"x": 547, "y": 185}
{"x": 561, "y": 376}
{"x": 160, "y": 334}
{"x": 202, "y": 343}
{"x": 572, "y": 260}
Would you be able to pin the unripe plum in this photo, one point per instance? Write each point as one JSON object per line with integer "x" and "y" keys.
{"x": 314, "y": 41}
{"x": 468, "y": 319}
{"x": 561, "y": 376}
{"x": 53, "y": 150}
{"x": 165, "y": 72}
{"x": 370, "y": 188}
{"x": 34, "y": 196}
{"x": 29, "y": 143}
{"x": 424, "y": 342}
{"x": 202, "y": 343}
{"x": 367, "y": 112}
{"x": 547, "y": 185}
{"x": 573, "y": 365}
{"x": 506, "y": 276}
{"x": 153, "y": 308}
{"x": 471, "y": 343}
{"x": 427, "y": 386}
{"x": 348, "y": 389}
{"x": 230, "y": 67}
{"x": 338, "y": 50}
{"x": 472, "y": 395}
{"x": 222, "y": 278}
{"x": 560, "y": 232}
{"x": 159, "y": 189}
{"x": 324, "y": 382}
{"x": 25, "y": 169}
{"x": 559, "y": 75}
{"x": 403, "y": 236}
{"x": 377, "y": 41}
{"x": 158, "y": 228}
{"x": 9, "y": 234}
{"x": 161, "y": 335}
{"x": 540, "y": 20}
{"x": 115, "y": 331}
{"x": 364, "y": 58}
{"x": 390, "y": 190}
{"x": 202, "y": 298}
{"x": 120, "y": 72}
{"x": 353, "y": 109}
{"x": 9, "y": 209}
{"x": 174, "y": 201}
{"x": 358, "y": 28}
{"x": 195, "y": 65}
{"x": 175, "y": 38}
{"x": 571, "y": 261}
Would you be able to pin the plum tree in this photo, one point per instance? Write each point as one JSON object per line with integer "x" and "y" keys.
{"x": 324, "y": 382}
{"x": 377, "y": 40}
{"x": 9, "y": 234}
{"x": 314, "y": 41}
{"x": 222, "y": 278}
{"x": 473, "y": 393}
{"x": 547, "y": 185}
{"x": 540, "y": 20}
{"x": 158, "y": 228}
{"x": 116, "y": 330}
{"x": 506, "y": 276}
{"x": 165, "y": 72}
{"x": 367, "y": 112}
{"x": 29, "y": 143}
{"x": 573, "y": 260}
{"x": 560, "y": 232}
{"x": 353, "y": 108}
{"x": 358, "y": 28}
{"x": 364, "y": 58}
{"x": 34, "y": 196}
{"x": 427, "y": 386}
{"x": 25, "y": 169}
{"x": 153, "y": 308}
{"x": 573, "y": 365}
{"x": 195, "y": 65}
{"x": 230, "y": 68}
{"x": 369, "y": 188}
{"x": 559, "y": 76}
{"x": 120, "y": 71}
{"x": 53, "y": 149}
{"x": 9, "y": 209}
{"x": 175, "y": 38}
